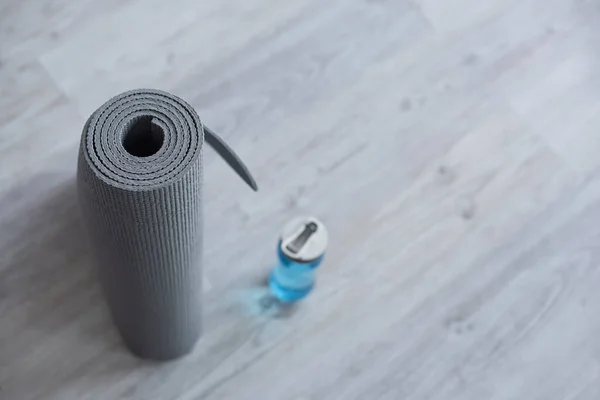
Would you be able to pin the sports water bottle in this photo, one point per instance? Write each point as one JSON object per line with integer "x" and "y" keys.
{"x": 300, "y": 251}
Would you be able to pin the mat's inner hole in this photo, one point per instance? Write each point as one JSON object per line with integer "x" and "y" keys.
{"x": 143, "y": 137}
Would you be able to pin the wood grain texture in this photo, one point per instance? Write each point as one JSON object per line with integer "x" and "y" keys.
{"x": 449, "y": 146}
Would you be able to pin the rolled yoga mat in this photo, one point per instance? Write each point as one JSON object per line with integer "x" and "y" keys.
{"x": 139, "y": 181}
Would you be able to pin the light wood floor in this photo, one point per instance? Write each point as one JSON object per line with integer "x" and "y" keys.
{"x": 451, "y": 146}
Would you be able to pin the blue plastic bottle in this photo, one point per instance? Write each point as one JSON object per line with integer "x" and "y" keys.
{"x": 300, "y": 251}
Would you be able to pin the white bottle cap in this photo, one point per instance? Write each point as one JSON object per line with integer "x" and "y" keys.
{"x": 304, "y": 239}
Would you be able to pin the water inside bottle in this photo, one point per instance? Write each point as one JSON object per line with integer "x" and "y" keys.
{"x": 291, "y": 281}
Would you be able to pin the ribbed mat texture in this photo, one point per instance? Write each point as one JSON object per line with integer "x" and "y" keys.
{"x": 140, "y": 191}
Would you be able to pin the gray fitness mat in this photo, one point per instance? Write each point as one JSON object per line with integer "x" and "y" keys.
{"x": 139, "y": 181}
